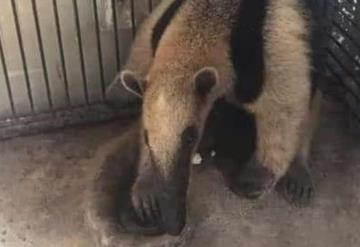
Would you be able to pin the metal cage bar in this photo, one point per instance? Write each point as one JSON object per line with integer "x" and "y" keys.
{"x": 7, "y": 80}
{"x": 56, "y": 62}
{"x": 81, "y": 51}
{"x": 116, "y": 34}
{"x": 61, "y": 50}
{"x": 99, "y": 48}
{"x": 133, "y": 20}
{"x": 42, "y": 54}
{"x": 343, "y": 51}
{"x": 150, "y": 5}
{"x": 23, "y": 56}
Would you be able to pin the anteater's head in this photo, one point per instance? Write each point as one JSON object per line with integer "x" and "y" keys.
{"x": 174, "y": 110}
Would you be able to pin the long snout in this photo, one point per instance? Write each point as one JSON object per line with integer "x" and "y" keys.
{"x": 160, "y": 191}
{"x": 173, "y": 205}
{"x": 174, "y": 194}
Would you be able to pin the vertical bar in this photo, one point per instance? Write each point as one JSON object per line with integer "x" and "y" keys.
{"x": 6, "y": 75}
{"x": 326, "y": 8}
{"x": 42, "y": 54}
{"x": 61, "y": 50}
{"x": 100, "y": 56}
{"x": 133, "y": 22}
{"x": 81, "y": 50}
{"x": 22, "y": 53}
{"x": 116, "y": 34}
{"x": 150, "y": 5}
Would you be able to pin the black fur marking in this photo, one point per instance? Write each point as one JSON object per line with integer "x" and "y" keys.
{"x": 163, "y": 23}
{"x": 235, "y": 148}
{"x": 247, "y": 49}
{"x": 234, "y": 131}
{"x": 189, "y": 137}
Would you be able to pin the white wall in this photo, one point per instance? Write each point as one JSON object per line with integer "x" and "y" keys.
{"x": 52, "y": 55}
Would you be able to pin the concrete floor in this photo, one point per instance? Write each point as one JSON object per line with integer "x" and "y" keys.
{"x": 43, "y": 179}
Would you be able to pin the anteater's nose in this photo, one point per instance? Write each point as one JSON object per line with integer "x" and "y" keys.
{"x": 173, "y": 212}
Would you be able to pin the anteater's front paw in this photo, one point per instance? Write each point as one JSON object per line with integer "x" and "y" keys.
{"x": 253, "y": 181}
{"x": 145, "y": 193}
{"x": 297, "y": 185}
{"x": 157, "y": 204}
{"x": 130, "y": 222}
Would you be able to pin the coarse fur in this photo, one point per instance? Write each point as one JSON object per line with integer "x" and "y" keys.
{"x": 209, "y": 39}
{"x": 234, "y": 147}
{"x": 141, "y": 52}
{"x": 297, "y": 185}
{"x": 140, "y": 55}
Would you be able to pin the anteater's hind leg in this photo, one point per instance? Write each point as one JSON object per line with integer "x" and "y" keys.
{"x": 297, "y": 186}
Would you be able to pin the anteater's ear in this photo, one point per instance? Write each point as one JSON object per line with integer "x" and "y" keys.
{"x": 205, "y": 80}
{"x": 128, "y": 80}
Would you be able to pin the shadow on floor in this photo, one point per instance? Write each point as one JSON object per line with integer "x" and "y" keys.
{"x": 43, "y": 179}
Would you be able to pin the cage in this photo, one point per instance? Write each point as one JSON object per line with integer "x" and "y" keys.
{"x": 57, "y": 57}
{"x": 343, "y": 49}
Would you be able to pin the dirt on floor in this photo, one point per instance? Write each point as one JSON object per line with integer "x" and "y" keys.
{"x": 43, "y": 179}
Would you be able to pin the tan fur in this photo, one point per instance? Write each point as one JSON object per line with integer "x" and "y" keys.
{"x": 309, "y": 127}
{"x": 282, "y": 107}
{"x": 185, "y": 42}
{"x": 197, "y": 38}
{"x": 140, "y": 56}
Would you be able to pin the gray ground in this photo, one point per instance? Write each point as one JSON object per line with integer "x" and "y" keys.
{"x": 43, "y": 178}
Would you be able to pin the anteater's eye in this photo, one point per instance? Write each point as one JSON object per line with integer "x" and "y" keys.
{"x": 146, "y": 137}
{"x": 189, "y": 136}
